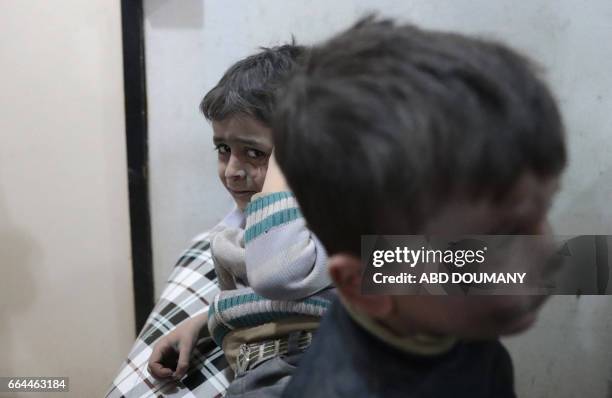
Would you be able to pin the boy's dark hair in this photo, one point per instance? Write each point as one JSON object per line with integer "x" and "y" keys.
{"x": 248, "y": 86}
{"x": 383, "y": 124}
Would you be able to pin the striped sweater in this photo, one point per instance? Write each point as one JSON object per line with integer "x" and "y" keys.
{"x": 270, "y": 267}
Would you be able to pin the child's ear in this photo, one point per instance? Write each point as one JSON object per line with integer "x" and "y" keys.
{"x": 345, "y": 270}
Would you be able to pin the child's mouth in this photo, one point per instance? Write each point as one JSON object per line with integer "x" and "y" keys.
{"x": 522, "y": 318}
{"x": 240, "y": 194}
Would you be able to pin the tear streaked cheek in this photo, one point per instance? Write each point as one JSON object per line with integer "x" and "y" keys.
{"x": 256, "y": 177}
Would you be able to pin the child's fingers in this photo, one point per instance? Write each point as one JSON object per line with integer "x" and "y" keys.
{"x": 156, "y": 366}
{"x": 158, "y": 371}
{"x": 182, "y": 365}
{"x": 158, "y": 350}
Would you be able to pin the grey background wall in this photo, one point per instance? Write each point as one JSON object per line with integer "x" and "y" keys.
{"x": 189, "y": 43}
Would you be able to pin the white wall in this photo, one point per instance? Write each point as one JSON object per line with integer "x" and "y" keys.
{"x": 191, "y": 42}
{"x": 66, "y": 305}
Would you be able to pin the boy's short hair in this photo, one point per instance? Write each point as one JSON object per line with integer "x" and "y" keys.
{"x": 248, "y": 86}
{"x": 384, "y": 124}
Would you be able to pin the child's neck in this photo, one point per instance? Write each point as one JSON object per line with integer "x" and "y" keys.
{"x": 413, "y": 342}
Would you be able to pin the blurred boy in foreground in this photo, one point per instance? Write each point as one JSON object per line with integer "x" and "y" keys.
{"x": 392, "y": 129}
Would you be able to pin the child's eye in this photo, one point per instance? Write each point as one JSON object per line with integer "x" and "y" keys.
{"x": 255, "y": 154}
{"x": 222, "y": 149}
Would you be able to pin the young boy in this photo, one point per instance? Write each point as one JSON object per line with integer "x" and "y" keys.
{"x": 272, "y": 272}
{"x": 397, "y": 130}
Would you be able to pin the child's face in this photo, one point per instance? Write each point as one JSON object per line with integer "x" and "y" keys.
{"x": 522, "y": 212}
{"x": 244, "y": 145}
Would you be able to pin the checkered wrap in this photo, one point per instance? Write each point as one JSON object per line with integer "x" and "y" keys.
{"x": 189, "y": 290}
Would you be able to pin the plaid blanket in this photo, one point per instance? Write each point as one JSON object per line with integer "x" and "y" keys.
{"x": 190, "y": 288}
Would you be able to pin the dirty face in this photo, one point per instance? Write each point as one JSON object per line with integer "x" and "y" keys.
{"x": 244, "y": 146}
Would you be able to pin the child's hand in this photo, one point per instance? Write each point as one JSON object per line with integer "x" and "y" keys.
{"x": 275, "y": 180}
{"x": 171, "y": 354}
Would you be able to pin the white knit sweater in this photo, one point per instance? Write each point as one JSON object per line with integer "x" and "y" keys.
{"x": 269, "y": 265}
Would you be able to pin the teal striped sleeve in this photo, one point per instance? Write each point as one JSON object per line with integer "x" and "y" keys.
{"x": 270, "y": 211}
{"x": 284, "y": 259}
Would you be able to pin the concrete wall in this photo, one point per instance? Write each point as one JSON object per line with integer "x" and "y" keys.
{"x": 66, "y": 305}
{"x": 191, "y": 42}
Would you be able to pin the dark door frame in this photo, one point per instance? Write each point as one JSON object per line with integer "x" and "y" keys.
{"x": 137, "y": 157}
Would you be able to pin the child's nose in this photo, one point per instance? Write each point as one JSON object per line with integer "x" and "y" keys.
{"x": 235, "y": 168}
